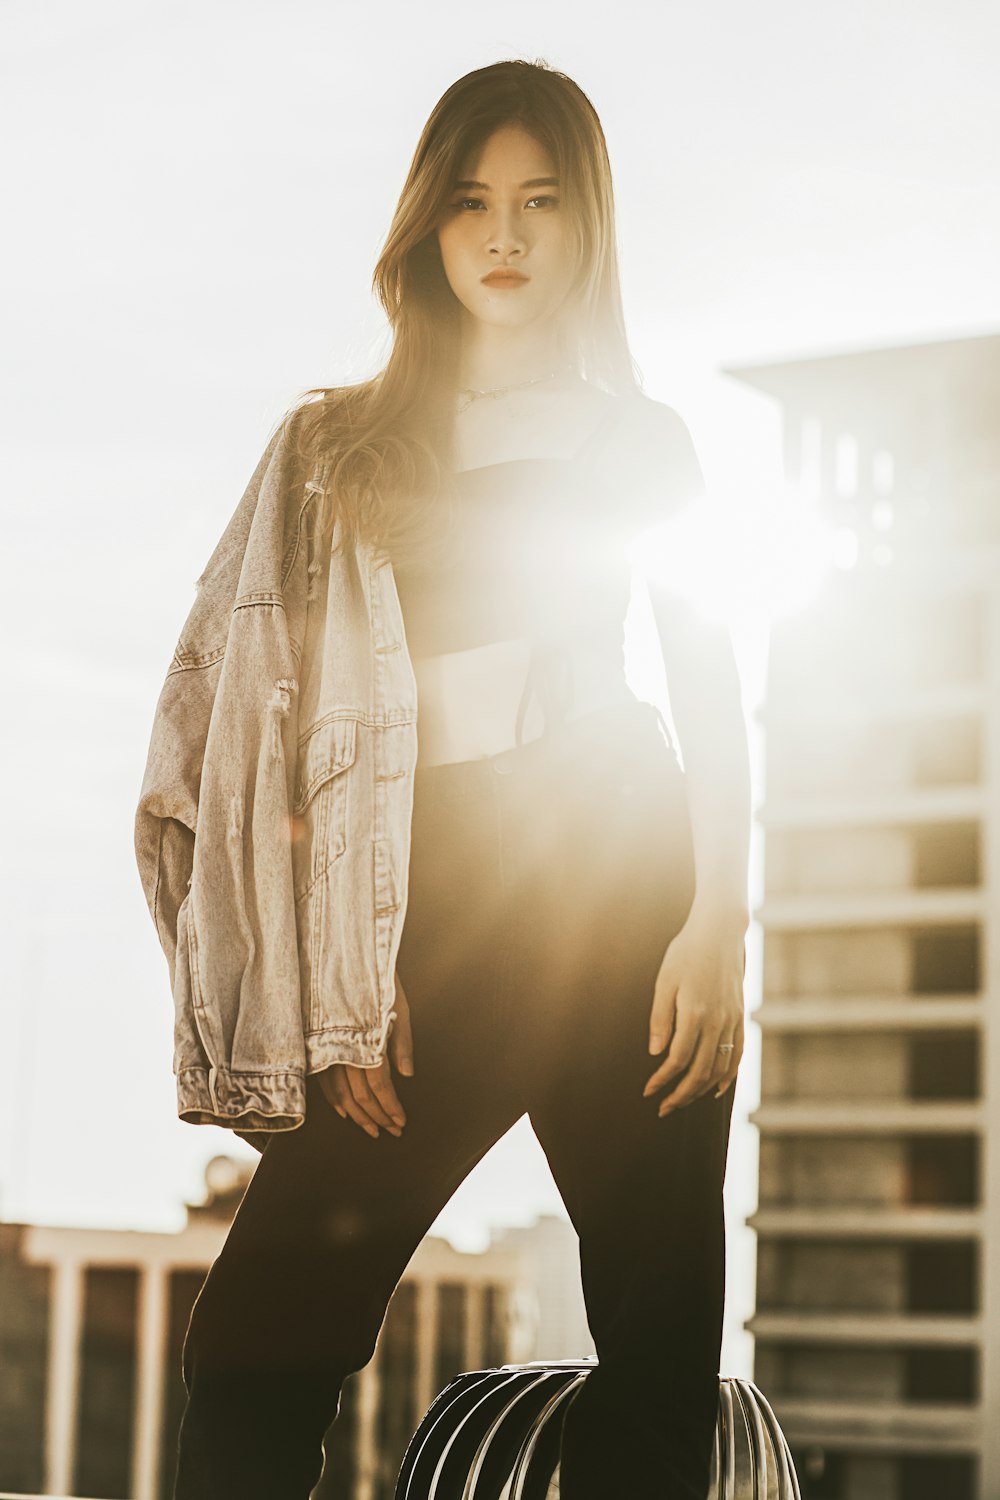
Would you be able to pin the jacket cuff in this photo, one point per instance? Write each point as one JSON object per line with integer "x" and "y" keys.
{"x": 347, "y": 1044}
{"x": 244, "y": 1101}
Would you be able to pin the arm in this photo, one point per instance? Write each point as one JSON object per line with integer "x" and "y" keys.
{"x": 166, "y": 816}
{"x": 698, "y": 1000}
{"x": 705, "y": 701}
{"x": 367, "y": 1095}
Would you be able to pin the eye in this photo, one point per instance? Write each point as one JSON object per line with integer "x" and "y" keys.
{"x": 545, "y": 198}
{"x": 473, "y": 203}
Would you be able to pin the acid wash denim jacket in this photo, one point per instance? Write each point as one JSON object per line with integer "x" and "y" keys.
{"x": 273, "y": 828}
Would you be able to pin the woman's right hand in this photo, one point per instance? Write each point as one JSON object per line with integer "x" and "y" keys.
{"x": 367, "y": 1095}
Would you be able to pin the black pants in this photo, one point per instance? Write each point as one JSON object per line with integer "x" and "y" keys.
{"x": 545, "y": 885}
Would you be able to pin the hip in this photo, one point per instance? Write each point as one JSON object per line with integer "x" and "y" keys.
{"x": 561, "y": 867}
{"x": 602, "y": 792}
{"x": 469, "y": 700}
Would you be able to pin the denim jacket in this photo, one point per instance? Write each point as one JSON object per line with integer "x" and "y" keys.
{"x": 273, "y": 826}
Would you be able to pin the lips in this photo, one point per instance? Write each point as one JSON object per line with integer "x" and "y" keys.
{"x": 505, "y": 278}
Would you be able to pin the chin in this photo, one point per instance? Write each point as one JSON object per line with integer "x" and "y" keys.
{"x": 493, "y": 321}
{"x": 509, "y": 316}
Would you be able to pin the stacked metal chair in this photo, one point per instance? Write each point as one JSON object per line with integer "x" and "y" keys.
{"x": 495, "y": 1434}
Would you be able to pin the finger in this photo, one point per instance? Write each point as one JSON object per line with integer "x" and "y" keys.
{"x": 328, "y": 1084}
{"x": 697, "y": 1080}
{"x": 365, "y": 1100}
{"x": 735, "y": 1058}
{"x": 347, "y": 1106}
{"x": 708, "y": 1068}
{"x": 728, "y": 1078}
{"x": 379, "y": 1080}
{"x": 354, "y": 1112}
{"x": 662, "y": 1019}
{"x": 401, "y": 1043}
{"x": 679, "y": 1056}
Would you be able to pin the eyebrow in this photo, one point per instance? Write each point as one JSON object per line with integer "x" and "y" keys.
{"x": 533, "y": 182}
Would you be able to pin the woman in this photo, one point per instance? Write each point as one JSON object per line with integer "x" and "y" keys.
{"x": 382, "y": 957}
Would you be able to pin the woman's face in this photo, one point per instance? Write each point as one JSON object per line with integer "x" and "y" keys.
{"x": 503, "y": 236}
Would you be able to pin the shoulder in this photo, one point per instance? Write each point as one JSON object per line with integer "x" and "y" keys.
{"x": 278, "y": 476}
{"x": 659, "y": 428}
{"x": 654, "y": 444}
{"x": 291, "y": 459}
{"x": 295, "y": 437}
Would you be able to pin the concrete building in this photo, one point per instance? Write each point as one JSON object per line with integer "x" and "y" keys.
{"x": 550, "y": 1250}
{"x": 878, "y": 1284}
{"x": 92, "y": 1324}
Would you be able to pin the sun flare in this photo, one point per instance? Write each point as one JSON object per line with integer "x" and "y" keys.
{"x": 752, "y": 557}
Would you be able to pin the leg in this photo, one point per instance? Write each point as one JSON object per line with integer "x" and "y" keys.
{"x": 295, "y": 1300}
{"x": 645, "y": 1194}
{"x": 653, "y": 1264}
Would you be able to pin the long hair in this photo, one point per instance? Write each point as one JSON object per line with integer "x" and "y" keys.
{"x": 387, "y": 441}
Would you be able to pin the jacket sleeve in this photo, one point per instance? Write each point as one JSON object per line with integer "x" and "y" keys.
{"x": 167, "y": 813}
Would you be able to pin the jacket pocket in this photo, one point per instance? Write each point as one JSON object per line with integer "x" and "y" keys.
{"x": 319, "y": 813}
{"x": 191, "y": 1045}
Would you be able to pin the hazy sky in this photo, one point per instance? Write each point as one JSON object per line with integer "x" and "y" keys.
{"x": 195, "y": 196}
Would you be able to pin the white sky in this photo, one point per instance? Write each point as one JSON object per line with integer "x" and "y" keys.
{"x": 195, "y": 196}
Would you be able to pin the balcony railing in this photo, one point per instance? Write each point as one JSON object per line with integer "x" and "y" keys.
{"x": 939, "y": 906}
{"x": 943, "y": 804}
{"x": 872, "y": 1013}
{"x": 869, "y": 1117}
{"x": 896, "y": 1329}
{"x": 805, "y": 1222}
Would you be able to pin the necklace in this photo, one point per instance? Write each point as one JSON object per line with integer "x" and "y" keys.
{"x": 495, "y": 392}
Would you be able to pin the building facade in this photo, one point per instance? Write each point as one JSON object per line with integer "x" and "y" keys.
{"x": 549, "y": 1250}
{"x": 92, "y": 1324}
{"x": 877, "y": 1327}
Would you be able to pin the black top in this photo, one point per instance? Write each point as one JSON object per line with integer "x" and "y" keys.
{"x": 539, "y": 550}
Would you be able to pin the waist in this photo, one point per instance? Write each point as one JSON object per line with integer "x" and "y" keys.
{"x": 468, "y": 701}
{"x": 616, "y": 732}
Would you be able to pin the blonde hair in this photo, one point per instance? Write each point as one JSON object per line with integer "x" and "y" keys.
{"x": 387, "y": 441}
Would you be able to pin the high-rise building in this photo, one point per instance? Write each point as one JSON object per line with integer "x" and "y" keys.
{"x": 877, "y": 1325}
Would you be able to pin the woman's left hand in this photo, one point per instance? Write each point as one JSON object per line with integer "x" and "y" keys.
{"x": 698, "y": 1004}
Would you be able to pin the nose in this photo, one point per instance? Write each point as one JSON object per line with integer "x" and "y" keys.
{"x": 506, "y": 236}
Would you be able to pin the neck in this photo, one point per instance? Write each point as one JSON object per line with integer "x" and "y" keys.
{"x": 493, "y": 357}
